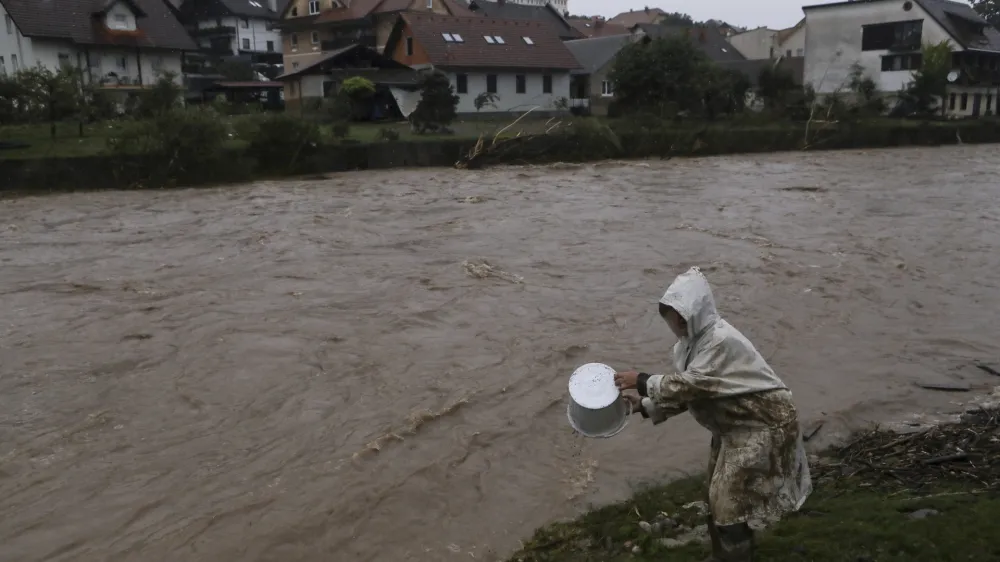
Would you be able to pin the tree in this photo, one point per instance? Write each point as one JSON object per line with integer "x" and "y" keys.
{"x": 930, "y": 82}
{"x": 436, "y": 108}
{"x": 51, "y": 96}
{"x": 485, "y": 99}
{"x": 675, "y": 18}
{"x": 164, "y": 96}
{"x": 664, "y": 76}
{"x": 989, "y": 9}
{"x": 357, "y": 90}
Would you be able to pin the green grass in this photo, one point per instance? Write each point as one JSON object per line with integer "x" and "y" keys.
{"x": 68, "y": 141}
{"x": 841, "y": 522}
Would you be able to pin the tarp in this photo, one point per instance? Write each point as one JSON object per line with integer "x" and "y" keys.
{"x": 406, "y": 100}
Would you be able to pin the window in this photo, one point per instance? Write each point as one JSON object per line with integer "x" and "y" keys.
{"x": 314, "y": 37}
{"x": 447, "y": 37}
{"x": 964, "y": 103}
{"x": 63, "y": 60}
{"x": 295, "y": 41}
{"x": 313, "y": 7}
{"x": 520, "y": 83}
{"x": 10, "y": 25}
{"x": 430, "y": 4}
{"x": 457, "y": 38}
{"x": 989, "y": 102}
{"x": 547, "y": 84}
{"x": 788, "y": 53}
{"x": 528, "y": 40}
{"x": 607, "y": 88}
{"x": 244, "y": 23}
{"x": 896, "y": 35}
{"x": 489, "y": 39}
{"x": 892, "y": 63}
{"x": 409, "y": 46}
{"x": 157, "y": 64}
{"x": 270, "y": 46}
{"x": 295, "y": 11}
{"x": 122, "y": 63}
{"x": 798, "y": 52}
{"x": 498, "y": 39}
{"x": 491, "y": 83}
{"x": 3, "y": 67}
{"x": 462, "y": 83}
{"x": 951, "y": 102}
{"x": 295, "y": 65}
{"x": 246, "y": 44}
{"x": 121, "y": 21}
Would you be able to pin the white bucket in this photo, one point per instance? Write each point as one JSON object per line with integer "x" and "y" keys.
{"x": 596, "y": 407}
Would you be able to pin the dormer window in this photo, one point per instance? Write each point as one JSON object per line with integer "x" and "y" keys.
{"x": 313, "y": 7}
{"x": 120, "y": 17}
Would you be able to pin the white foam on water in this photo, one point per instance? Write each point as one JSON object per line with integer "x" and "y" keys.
{"x": 593, "y": 386}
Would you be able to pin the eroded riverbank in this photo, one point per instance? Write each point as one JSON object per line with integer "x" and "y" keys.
{"x": 206, "y": 374}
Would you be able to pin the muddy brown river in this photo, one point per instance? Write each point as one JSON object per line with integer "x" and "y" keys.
{"x": 374, "y": 366}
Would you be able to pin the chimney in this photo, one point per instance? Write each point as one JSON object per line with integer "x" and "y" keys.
{"x": 598, "y": 22}
{"x": 646, "y": 9}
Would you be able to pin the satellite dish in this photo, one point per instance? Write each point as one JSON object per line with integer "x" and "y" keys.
{"x": 953, "y": 75}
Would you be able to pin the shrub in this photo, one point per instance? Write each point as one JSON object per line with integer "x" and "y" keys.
{"x": 282, "y": 140}
{"x": 340, "y": 130}
{"x": 436, "y": 108}
{"x": 181, "y": 142}
{"x": 164, "y": 96}
{"x": 388, "y": 134}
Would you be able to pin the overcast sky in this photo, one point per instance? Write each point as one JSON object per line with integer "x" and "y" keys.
{"x": 768, "y": 13}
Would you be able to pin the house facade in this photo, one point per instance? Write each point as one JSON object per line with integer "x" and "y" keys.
{"x": 590, "y": 86}
{"x": 885, "y": 38}
{"x": 117, "y": 44}
{"x": 235, "y": 27}
{"x": 523, "y": 64}
{"x": 756, "y": 44}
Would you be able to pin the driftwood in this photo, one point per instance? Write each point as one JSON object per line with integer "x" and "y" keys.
{"x": 967, "y": 451}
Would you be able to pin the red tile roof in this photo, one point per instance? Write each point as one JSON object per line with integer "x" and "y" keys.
{"x": 598, "y": 28}
{"x": 545, "y": 51}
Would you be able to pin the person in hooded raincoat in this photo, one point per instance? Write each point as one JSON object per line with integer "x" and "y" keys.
{"x": 757, "y": 467}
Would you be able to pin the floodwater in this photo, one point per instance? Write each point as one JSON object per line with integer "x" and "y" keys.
{"x": 329, "y": 370}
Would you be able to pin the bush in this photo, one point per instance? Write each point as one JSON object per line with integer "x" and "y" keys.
{"x": 182, "y": 143}
{"x": 340, "y": 130}
{"x": 282, "y": 140}
{"x": 436, "y": 109}
{"x": 163, "y": 97}
{"x": 388, "y": 134}
{"x": 358, "y": 88}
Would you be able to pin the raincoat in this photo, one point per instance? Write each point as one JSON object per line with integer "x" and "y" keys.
{"x": 757, "y": 468}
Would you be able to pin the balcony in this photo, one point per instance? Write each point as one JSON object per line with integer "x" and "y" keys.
{"x": 217, "y": 31}
{"x": 341, "y": 42}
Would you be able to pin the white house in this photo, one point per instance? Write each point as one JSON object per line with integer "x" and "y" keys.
{"x": 234, "y": 27}
{"x": 885, "y": 38}
{"x": 119, "y": 44}
{"x": 766, "y": 43}
{"x": 522, "y": 63}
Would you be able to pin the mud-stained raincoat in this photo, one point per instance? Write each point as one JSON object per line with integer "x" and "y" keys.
{"x": 758, "y": 467}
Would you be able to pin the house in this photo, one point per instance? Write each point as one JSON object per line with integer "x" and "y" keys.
{"x": 120, "y": 44}
{"x": 313, "y": 27}
{"x": 559, "y": 5}
{"x": 632, "y": 17}
{"x": 885, "y": 37}
{"x": 236, "y": 27}
{"x": 522, "y": 63}
{"x": 589, "y": 85}
{"x": 321, "y": 78}
{"x": 756, "y": 44}
{"x": 597, "y": 27}
{"x": 791, "y": 42}
{"x": 547, "y": 13}
{"x": 708, "y": 38}
{"x": 766, "y": 43}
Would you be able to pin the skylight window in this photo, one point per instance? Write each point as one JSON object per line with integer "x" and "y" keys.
{"x": 528, "y": 40}
{"x": 494, "y": 39}
{"x": 457, "y": 38}
{"x": 489, "y": 39}
{"x": 447, "y": 37}
{"x": 255, "y": 4}
{"x": 498, "y": 39}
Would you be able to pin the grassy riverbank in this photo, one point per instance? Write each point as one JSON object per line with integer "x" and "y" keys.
{"x": 927, "y": 497}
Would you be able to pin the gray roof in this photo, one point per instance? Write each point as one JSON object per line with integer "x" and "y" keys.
{"x": 951, "y": 14}
{"x": 73, "y": 20}
{"x": 246, "y": 9}
{"x": 594, "y": 53}
{"x": 708, "y": 38}
{"x": 510, "y": 11}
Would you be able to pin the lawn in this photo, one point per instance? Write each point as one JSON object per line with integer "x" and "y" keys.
{"x": 882, "y": 498}
{"x": 68, "y": 141}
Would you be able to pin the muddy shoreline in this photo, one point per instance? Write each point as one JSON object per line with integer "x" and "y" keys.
{"x": 373, "y": 366}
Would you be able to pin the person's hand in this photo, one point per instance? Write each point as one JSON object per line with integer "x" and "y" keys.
{"x": 635, "y": 401}
{"x": 626, "y": 380}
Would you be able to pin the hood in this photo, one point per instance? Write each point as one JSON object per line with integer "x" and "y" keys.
{"x": 691, "y": 296}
